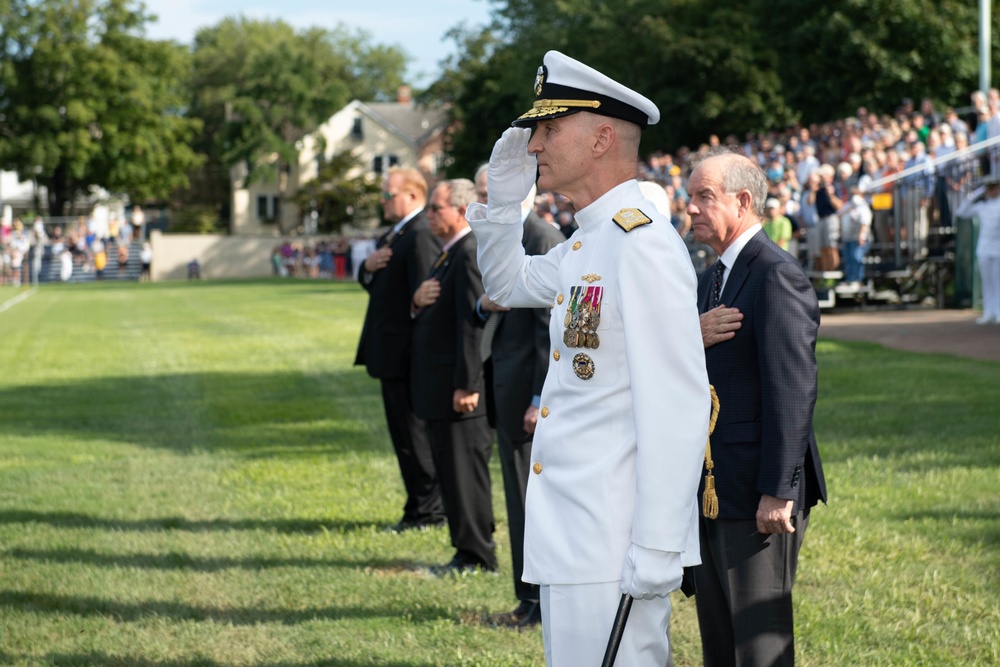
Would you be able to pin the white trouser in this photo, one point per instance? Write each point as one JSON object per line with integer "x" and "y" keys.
{"x": 989, "y": 273}
{"x": 577, "y": 620}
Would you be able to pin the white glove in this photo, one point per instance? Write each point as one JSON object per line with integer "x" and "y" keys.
{"x": 511, "y": 174}
{"x": 650, "y": 573}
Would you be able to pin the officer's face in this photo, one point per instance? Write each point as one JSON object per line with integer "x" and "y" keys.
{"x": 715, "y": 213}
{"x": 396, "y": 202}
{"x": 560, "y": 145}
{"x": 443, "y": 219}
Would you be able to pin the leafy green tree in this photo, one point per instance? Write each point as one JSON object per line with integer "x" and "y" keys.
{"x": 715, "y": 66}
{"x": 838, "y": 56}
{"x": 339, "y": 200}
{"x": 260, "y": 86}
{"x": 86, "y": 101}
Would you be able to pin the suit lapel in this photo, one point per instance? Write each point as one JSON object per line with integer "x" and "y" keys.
{"x": 741, "y": 269}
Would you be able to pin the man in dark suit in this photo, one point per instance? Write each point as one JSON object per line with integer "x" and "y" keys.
{"x": 516, "y": 360}
{"x": 759, "y": 324}
{"x": 402, "y": 259}
{"x": 447, "y": 380}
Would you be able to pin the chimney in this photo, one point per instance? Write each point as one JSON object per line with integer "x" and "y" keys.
{"x": 403, "y": 95}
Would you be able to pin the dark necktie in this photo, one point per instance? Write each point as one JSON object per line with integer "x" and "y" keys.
{"x": 718, "y": 270}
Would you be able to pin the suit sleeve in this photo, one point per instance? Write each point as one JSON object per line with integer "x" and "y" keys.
{"x": 786, "y": 321}
{"x": 469, "y": 333}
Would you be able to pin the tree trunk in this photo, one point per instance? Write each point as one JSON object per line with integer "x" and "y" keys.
{"x": 59, "y": 193}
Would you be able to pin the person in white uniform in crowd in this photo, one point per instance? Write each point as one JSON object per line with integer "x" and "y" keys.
{"x": 612, "y": 503}
{"x": 984, "y": 203}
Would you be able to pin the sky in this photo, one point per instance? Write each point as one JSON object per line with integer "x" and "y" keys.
{"x": 417, "y": 26}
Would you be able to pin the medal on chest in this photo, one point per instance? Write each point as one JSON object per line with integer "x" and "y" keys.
{"x": 583, "y": 316}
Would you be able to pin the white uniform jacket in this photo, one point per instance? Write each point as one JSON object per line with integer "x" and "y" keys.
{"x": 988, "y": 212}
{"x": 617, "y": 457}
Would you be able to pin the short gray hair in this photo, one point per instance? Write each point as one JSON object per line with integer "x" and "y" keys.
{"x": 461, "y": 191}
{"x": 739, "y": 173}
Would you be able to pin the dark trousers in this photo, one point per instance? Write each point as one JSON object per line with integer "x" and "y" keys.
{"x": 515, "y": 461}
{"x": 462, "y": 450}
{"x": 411, "y": 441}
{"x": 744, "y": 596}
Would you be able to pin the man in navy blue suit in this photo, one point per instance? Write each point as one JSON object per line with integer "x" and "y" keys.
{"x": 759, "y": 323}
{"x": 447, "y": 380}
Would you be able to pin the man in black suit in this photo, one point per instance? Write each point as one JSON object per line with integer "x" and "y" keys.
{"x": 516, "y": 360}
{"x": 760, "y": 352}
{"x": 447, "y": 380}
{"x": 391, "y": 275}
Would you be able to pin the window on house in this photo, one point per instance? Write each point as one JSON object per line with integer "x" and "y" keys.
{"x": 268, "y": 207}
{"x": 377, "y": 164}
{"x": 357, "y": 130}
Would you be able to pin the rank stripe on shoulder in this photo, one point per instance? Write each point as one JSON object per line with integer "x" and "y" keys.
{"x": 630, "y": 218}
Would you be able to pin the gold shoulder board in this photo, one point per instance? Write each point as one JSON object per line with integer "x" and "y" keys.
{"x": 630, "y": 218}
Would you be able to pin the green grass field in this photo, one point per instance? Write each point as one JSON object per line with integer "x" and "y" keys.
{"x": 195, "y": 474}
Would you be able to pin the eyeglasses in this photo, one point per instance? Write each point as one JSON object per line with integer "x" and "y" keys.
{"x": 388, "y": 196}
{"x": 437, "y": 207}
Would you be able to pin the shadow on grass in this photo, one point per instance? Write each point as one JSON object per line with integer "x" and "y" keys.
{"x": 79, "y": 520}
{"x": 973, "y": 526}
{"x": 256, "y": 414}
{"x": 45, "y": 603}
{"x": 930, "y": 411}
{"x": 105, "y": 660}
{"x": 184, "y": 562}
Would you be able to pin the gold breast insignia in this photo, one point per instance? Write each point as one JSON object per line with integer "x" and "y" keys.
{"x": 583, "y": 366}
{"x": 630, "y": 218}
{"x": 591, "y": 277}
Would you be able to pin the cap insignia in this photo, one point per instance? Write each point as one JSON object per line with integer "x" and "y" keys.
{"x": 630, "y": 218}
{"x": 539, "y": 80}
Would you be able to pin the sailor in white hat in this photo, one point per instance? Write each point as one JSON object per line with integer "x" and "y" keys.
{"x": 984, "y": 203}
{"x": 618, "y": 452}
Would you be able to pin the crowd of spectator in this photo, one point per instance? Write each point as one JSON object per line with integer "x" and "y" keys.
{"x": 90, "y": 245}
{"x": 837, "y": 167}
{"x": 336, "y": 258}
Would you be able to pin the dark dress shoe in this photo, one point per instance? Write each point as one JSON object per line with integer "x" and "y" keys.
{"x": 527, "y": 614}
{"x": 460, "y": 566}
{"x": 533, "y": 616}
{"x": 405, "y": 525}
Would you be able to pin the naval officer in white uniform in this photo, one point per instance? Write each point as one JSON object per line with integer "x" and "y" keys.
{"x": 618, "y": 452}
{"x": 984, "y": 203}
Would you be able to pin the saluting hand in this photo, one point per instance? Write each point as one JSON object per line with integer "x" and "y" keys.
{"x": 512, "y": 170}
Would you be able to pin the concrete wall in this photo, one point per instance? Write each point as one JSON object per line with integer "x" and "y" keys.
{"x": 220, "y": 256}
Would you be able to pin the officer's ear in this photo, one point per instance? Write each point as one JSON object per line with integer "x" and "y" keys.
{"x": 604, "y": 138}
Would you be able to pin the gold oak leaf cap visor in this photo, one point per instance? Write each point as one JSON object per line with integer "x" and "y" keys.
{"x": 564, "y": 86}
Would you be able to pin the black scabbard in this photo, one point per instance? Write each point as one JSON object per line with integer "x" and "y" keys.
{"x": 617, "y": 630}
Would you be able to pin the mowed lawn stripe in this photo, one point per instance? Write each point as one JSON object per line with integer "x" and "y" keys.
{"x": 194, "y": 473}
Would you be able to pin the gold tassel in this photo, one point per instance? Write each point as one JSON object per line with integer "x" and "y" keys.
{"x": 710, "y": 500}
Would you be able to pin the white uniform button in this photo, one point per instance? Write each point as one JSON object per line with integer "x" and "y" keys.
{"x": 556, "y": 355}
{"x": 545, "y": 413}
{"x": 537, "y": 468}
